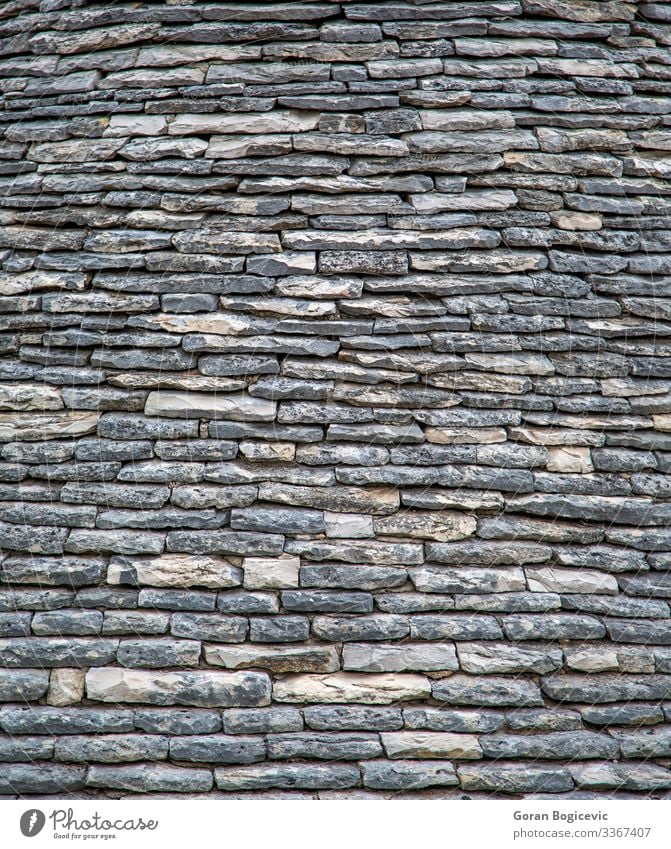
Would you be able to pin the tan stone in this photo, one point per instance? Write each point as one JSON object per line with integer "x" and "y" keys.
{"x": 441, "y": 526}
{"x": 66, "y": 687}
{"x": 175, "y": 570}
{"x": 271, "y": 451}
{"x": 280, "y": 658}
{"x": 16, "y": 284}
{"x": 344, "y": 688}
{"x": 592, "y": 660}
{"x": 20, "y": 396}
{"x": 464, "y": 436}
{"x": 567, "y": 220}
{"x": 36, "y": 427}
{"x": 174, "y": 404}
{"x": 431, "y": 744}
{"x": 199, "y": 688}
{"x": 570, "y": 459}
{"x": 271, "y": 572}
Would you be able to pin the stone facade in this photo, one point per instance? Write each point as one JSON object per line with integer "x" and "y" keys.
{"x": 335, "y": 399}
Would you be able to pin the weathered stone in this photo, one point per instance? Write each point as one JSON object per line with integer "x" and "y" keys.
{"x": 490, "y": 658}
{"x": 174, "y": 571}
{"x": 513, "y": 778}
{"x": 346, "y": 687}
{"x": 490, "y": 692}
{"x": 281, "y": 658}
{"x": 361, "y": 657}
{"x": 148, "y": 778}
{"x": 199, "y": 688}
{"x": 289, "y": 776}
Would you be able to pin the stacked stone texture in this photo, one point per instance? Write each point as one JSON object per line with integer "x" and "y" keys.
{"x": 335, "y": 399}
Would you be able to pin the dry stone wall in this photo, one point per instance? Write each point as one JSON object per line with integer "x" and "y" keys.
{"x": 335, "y": 398}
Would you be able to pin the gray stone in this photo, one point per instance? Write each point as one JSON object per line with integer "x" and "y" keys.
{"x": 148, "y": 778}
{"x": 198, "y": 688}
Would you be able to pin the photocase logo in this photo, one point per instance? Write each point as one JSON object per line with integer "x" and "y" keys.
{"x": 32, "y": 822}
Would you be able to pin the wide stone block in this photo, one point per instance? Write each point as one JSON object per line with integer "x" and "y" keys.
{"x": 431, "y": 744}
{"x": 277, "y": 658}
{"x": 288, "y": 777}
{"x": 416, "y": 775}
{"x": 150, "y": 778}
{"x": 174, "y": 570}
{"x": 198, "y": 688}
{"x": 343, "y": 687}
{"x": 363, "y": 657}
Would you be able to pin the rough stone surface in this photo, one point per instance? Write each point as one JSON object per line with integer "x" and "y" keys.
{"x": 335, "y": 399}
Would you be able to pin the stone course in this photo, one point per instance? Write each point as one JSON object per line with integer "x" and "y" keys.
{"x": 335, "y": 399}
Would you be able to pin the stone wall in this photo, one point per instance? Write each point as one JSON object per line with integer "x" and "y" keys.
{"x": 335, "y": 398}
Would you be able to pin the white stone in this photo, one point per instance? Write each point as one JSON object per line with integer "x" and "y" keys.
{"x": 270, "y": 572}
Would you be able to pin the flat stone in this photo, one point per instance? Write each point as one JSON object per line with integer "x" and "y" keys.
{"x": 198, "y": 688}
{"x": 344, "y": 687}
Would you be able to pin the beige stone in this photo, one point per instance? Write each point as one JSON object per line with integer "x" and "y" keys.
{"x": 175, "y": 570}
{"x": 570, "y": 459}
{"x": 36, "y": 427}
{"x": 280, "y": 658}
{"x": 662, "y": 422}
{"x": 205, "y": 405}
{"x": 464, "y": 436}
{"x": 271, "y": 572}
{"x": 345, "y": 688}
{"x": 217, "y": 323}
{"x": 21, "y": 396}
{"x": 431, "y": 744}
{"x": 17, "y": 284}
{"x": 592, "y": 660}
{"x": 442, "y": 526}
{"x": 66, "y": 687}
{"x": 271, "y": 451}
{"x": 199, "y": 688}
{"x": 567, "y": 220}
